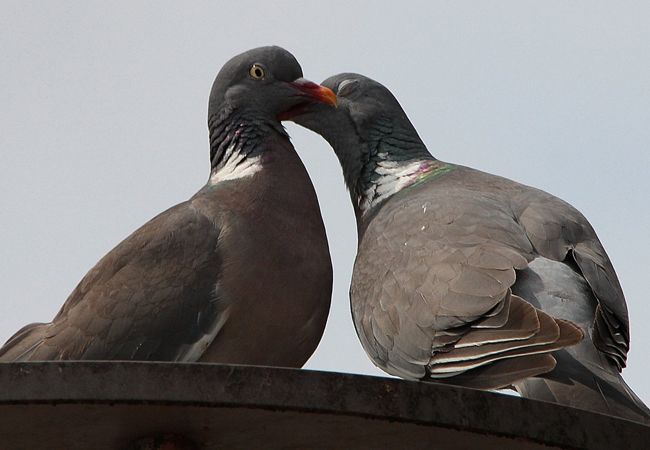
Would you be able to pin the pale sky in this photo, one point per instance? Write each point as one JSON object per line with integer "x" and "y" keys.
{"x": 103, "y": 123}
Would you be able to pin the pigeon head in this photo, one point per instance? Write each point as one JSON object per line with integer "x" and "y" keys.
{"x": 365, "y": 109}
{"x": 368, "y": 128}
{"x": 358, "y": 106}
{"x": 266, "y": 83}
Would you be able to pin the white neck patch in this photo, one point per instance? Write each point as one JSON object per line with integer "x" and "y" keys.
{"x": 393, "y": 177}
{"x": 237, "y": 166}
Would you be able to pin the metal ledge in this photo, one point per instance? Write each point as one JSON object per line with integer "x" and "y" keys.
{"x": 106, "y": 405}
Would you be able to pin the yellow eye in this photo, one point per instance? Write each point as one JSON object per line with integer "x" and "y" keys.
{"x": 256, "y": 72}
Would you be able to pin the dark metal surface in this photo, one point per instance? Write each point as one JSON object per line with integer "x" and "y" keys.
{"x": 104, "y": 405}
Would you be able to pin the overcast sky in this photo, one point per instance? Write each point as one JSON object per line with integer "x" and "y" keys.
{"x": 103, "y": 123}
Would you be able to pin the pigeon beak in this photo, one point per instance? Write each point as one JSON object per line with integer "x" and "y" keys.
{"x": 315, "y": 91}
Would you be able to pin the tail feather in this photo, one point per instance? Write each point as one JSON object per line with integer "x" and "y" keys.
{"x": 587, "y": 376}
{"x": 593, "y": 389}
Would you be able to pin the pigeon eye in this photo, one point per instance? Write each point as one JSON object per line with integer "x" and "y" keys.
{"x": 347, "y": 87}
{"x": 256, "y": 72}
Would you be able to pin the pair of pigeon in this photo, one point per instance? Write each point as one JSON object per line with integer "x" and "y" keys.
{"x": 461, "y": 277}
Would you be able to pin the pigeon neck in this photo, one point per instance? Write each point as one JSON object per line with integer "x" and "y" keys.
{"x": 234, "y": 143}
{"x": 393, "y": 163}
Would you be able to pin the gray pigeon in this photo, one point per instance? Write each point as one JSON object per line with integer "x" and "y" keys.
{"x": 469, "y": 278}
{"x": 240, "y": 273}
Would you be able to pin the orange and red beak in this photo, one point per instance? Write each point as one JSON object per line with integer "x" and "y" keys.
{"x": 315, "y": 91}
{"x": 311, "y": 93}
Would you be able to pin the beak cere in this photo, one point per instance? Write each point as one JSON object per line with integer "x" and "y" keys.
{"x": 315, "y": 91}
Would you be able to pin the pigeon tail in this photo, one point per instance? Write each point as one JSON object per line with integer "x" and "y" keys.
{"x": 584, "y": 376}
{"x": 595, "y": 389}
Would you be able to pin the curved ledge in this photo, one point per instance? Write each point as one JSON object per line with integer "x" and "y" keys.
{"x": 106, "y": 405}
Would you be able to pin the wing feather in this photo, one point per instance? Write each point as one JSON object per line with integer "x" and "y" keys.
{"x": 167, "y": 269}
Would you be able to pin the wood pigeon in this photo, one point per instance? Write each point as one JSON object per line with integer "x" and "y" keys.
{"x": 240, "y": 273}
{"x": 470, "y": 278}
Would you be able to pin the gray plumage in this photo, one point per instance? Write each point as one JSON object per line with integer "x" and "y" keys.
{"x": 470, "y": 278}
{"x": 240, "y": 273}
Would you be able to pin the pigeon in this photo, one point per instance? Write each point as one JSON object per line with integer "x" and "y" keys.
{"x": 240, "y": 273}
{"x": 469, "y": 278}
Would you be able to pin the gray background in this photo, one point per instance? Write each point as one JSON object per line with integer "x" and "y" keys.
{"x": 103, "y": 123}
